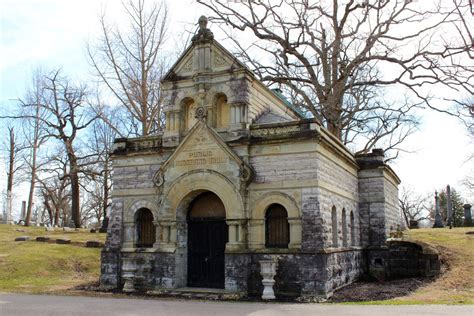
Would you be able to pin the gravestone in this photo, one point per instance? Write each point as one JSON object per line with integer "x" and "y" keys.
{"x": 63, "y": 241}
{"x": 94, "y": 244}
{"x": 22, "y": 238}
{"x": 449, "y": 206}
{"x": 43, "y": 238}
{"x": 438, "y": 221}
{"x": 467, "y": 215}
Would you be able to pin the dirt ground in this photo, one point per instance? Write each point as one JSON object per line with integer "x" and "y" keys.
{"x": 364, "y": 291}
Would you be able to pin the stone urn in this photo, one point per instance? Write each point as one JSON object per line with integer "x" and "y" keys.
{"x": 268, "y": 270}
{"x": 128, "y": 274}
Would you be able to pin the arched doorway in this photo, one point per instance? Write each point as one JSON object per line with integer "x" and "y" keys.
{"x": 207, "y": 237}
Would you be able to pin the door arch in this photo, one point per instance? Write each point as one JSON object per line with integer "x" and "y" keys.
{"x": 207, "y": 238}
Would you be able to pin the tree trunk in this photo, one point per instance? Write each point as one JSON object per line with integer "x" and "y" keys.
{"x": 33, "y": 168}
{"x": 11, "y": 168}
{"x": 32, "y": 186}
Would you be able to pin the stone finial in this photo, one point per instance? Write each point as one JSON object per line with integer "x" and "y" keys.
{"x": 204, "y": 34}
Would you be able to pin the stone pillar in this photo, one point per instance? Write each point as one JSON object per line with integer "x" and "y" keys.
{"x": 295, "y": 233}
{"x": 167, "y": 236}
{"x": 128, "y": 235}
{"x": 467, "y": 215}
{"x": 438, "y": 221}
{"x": 236, "y": 234}
{"x": 23, "y": 211}
{"x": 449, "y": 206}
{"x": 256, "y": 234}
{"x": 378, "y": 185}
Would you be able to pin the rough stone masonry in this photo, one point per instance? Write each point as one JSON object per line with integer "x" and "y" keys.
{"x": 288, "y": 190}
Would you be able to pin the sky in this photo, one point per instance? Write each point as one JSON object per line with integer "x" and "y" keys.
{"x": 54, "y": 33}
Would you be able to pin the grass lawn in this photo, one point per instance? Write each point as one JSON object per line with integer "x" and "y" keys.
{"x": 36, "y": 267}
{"x": 456, "y": 285}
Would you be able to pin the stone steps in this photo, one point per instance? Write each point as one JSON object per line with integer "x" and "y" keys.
{"x": 196, "y": 293}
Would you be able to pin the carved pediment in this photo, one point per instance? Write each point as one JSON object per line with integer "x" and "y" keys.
{"x": 204, "y": 149}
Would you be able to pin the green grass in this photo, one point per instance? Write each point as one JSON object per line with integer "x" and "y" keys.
{"x": 37, "y": 267}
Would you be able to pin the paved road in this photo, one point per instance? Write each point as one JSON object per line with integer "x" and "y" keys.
{"x": 39, "y": 305}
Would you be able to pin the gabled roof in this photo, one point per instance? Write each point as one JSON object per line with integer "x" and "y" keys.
{"x": 187, "y": 52}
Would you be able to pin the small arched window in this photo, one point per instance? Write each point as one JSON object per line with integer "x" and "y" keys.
{"x": 145, "y": 228}
{"x": 353, "y": 242}
{"x": 277, "y": 230}
{"x": 334, "y": 227}
{"x": 344, "y": 228}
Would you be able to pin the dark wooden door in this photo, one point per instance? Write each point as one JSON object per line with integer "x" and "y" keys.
{"x": 206, "y": 246}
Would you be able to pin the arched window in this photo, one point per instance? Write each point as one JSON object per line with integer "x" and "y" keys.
{"x": 334, "y": 227}
{"x": 353, "y": 242}
{"x": 277, "y": 229}
{"x": 145, "y": 228}
{"x": 344, "y": 228}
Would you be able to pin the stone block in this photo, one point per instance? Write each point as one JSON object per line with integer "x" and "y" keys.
{"x": 63, "y": 241}
{"x": 43, "y": 238}
{"x": 94, "y": 244}
{"x": 22, "y": 238}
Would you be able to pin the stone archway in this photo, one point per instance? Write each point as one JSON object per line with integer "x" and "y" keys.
{"x": 176, "y": 203}
{"x": 207, "y": 239}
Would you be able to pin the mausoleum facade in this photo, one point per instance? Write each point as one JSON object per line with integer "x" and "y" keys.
{"x": 240, "y": 175}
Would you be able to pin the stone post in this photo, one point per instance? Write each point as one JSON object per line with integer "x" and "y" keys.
{"x": 438, "y": 221}
{"x": 23, "y": 211}
{"x": 449, "y": 206}
{"x": 467, "y": 215}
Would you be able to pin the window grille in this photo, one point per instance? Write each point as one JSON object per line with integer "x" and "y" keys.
{"x": 276, "y": 227}
{"x": 145, "y": 229}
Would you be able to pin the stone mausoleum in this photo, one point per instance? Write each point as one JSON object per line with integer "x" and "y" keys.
{"x": 240, "y": 175}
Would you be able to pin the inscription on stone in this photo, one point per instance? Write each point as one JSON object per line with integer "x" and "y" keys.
{"x": 198, "y": 158}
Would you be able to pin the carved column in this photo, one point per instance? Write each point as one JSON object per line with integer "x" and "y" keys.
{"x": 237, "y": 231}
{"x": 257, "y": 234}
{"x": 295, "y": 233}
{"x": 167, "y": 241}
{"x": 128, "y": 235}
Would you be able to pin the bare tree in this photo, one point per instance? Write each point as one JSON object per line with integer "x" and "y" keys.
{"x": 339, "y": 59}
{"x": 64, "y": 116}
{"x": 14, "y": 151}
{"x": 130, "y": 62}
{"x": 414, "y": 207}
{"x": 101, "y": 141}
{"x": 35, "y": 135}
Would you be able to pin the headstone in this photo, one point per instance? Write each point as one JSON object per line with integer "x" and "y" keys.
{"x": 438, "y": 221}
{"x": 63, "y": 241}
{"x": 94, "y": 244}
{"x": 93, "y": 231}
{"x": 68, "y": 229}
{"x": 467, "y": 215}
{"x": 449, "y": 206}
{"x": 22, "y": 238}
{"x": 413, "y": 224}
{"x": 23, "y": 210}
{"x": 49, "y": 229}
{"x": 43, "y": 238}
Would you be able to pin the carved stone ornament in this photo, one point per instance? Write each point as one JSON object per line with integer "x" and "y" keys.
{"x": 158, "y": 179}
{"x": 204, "y": 34}
{"x": 200, "y": 113}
